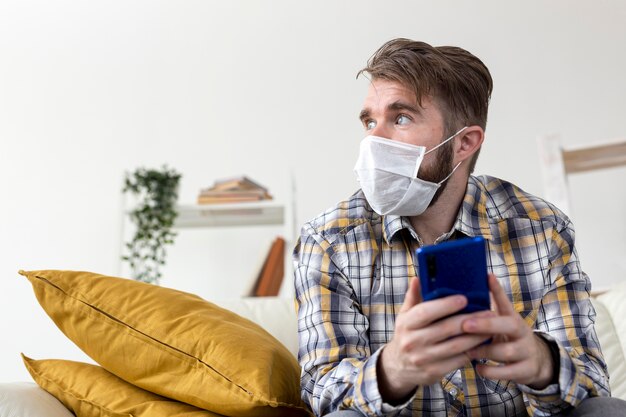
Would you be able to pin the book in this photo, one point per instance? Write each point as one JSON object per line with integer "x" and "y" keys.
{"x": 271, "y": 276}
{"x": 234, "y": 193}
{"x": 233, "y": 190}
{"x": 225, "y": 200}
{"x": 259, "y": 260}
{"x": 236, "y": 183}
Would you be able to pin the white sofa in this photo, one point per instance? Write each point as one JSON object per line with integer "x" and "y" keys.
{"x": 277, "y": 315}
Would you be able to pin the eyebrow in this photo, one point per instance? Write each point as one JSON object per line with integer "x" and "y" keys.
{"x": 399, "y": 105}
{"x": 395, "y": 106}
{"x": 364, "y": 115}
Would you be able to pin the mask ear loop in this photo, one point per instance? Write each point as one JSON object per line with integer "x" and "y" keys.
{"x": 450, "y": 174}
{"x": 442, "y": 143}
{"x": 419, "y": 160}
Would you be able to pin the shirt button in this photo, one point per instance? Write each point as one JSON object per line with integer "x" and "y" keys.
{"x": 453, "y": 392}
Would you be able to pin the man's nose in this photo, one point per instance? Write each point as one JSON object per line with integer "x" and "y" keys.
{"x": 381, "y": 131}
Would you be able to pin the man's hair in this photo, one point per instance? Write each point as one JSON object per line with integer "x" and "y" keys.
{"x": 458, "y": 81}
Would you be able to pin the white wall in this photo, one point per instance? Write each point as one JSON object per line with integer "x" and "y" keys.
{"x": 89, "y": 90}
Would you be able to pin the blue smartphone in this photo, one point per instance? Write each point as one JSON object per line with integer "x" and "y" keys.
{"x": 455, "y": 267}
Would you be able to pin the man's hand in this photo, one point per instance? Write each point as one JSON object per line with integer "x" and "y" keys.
{"x": 522, "y": 356}
{"x": 425, "y": 346}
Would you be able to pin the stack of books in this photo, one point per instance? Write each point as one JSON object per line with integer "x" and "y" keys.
{"x": 233, "y": 190}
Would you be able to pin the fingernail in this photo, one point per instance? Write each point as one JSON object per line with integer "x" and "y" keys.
{"x": 470, "y": 324}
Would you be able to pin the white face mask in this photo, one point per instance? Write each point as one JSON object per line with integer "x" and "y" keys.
{"x": 387, "y": 171}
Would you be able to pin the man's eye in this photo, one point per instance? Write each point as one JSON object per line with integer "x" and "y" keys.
{"x": 403, "y": 119}
{"x": 370, "y": 124}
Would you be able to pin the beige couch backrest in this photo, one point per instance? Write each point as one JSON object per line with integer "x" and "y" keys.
{"x": 611, "y": 330}
{"x": 278, "y": 317}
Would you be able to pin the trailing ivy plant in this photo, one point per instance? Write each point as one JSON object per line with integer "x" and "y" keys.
{"x": 156, "y": 192}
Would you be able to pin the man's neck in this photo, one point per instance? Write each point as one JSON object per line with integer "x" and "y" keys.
{"x": 439, "y": 218}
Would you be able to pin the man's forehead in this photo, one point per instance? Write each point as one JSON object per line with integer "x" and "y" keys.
{"x": 389, "y": 93}
{"x": 379, "y": 87}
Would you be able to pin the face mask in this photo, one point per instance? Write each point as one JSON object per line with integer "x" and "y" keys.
{"x": 387, "y": 171}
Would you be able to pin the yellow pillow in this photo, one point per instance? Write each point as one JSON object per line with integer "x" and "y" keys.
{"x": 173, "y": 343}
{"x": 91, "y": 391}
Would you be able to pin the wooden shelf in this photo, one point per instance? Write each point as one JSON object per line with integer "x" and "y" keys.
{"x": 278, "y": 215}
{"x": 224, "y": 215}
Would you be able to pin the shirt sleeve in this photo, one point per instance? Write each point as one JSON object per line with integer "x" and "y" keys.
{"x": 566, "y": 317}
{"x": 338, "y": 369}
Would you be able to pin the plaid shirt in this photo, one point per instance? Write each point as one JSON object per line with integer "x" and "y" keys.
{"x": 352, "y": 269}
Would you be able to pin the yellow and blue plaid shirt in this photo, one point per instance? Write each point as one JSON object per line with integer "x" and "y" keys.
{"x": 352, "y": 269}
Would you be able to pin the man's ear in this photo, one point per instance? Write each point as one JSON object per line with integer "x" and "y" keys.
{"x": 468, "y": 143}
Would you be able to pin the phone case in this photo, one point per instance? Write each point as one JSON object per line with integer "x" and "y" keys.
{"x": 455, "y": 267}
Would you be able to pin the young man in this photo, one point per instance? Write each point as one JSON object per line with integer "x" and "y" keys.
{"x": 367, "y": 341}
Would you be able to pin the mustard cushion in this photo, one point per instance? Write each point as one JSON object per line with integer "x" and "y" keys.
{"x": 91, "y": 391}
{"x": 173, "y": 343}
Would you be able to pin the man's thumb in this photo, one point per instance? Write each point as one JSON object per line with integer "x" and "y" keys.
{"x": 413, "y": 295}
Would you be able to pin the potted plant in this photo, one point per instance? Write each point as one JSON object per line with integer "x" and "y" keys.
{"x": 156, "y": 192}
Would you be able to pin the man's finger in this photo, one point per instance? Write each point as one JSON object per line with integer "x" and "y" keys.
{"x": 502, "y": 302}
{"x": 413, "y": 295}
{"x": 519, "y": 372}
{"x": 500, "y": 325}
{"x": 456, "y": 346}
{"x": 499, "y": 352}
{"x": 425, "y": 313}
{"x": 451, "y": 326}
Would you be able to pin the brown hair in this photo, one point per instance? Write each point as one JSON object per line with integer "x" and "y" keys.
{"x": 459, "y": 82}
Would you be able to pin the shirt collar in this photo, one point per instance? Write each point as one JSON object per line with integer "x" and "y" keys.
{"x": 472, "y": 219}
{"x": 393, "y": 223}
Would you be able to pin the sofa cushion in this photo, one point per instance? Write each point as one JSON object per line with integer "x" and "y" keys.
{"x": 172, "y": 343}
{"x": 25, "y": 399}
{"x": 91, "y": 391}
{"x": 611, "y": 330}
